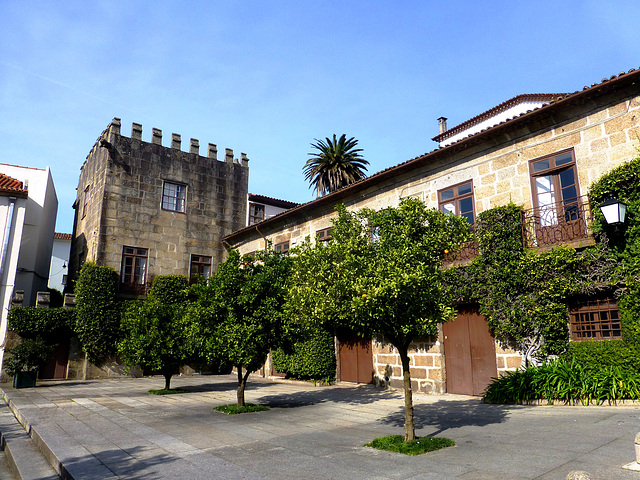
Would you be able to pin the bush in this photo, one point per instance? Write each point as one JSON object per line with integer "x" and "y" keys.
{"x": 30, "y": 322}
{"x": 565, "y": 381}
{"x": 605, "y": 353}
{"x": 30, "y": 354}
{"x": 311, "y": 359}
{"x": 97, "y": 311}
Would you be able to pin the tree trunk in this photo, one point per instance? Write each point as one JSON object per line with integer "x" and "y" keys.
{"x": 242, "y": 383}
{"x": 409, "y": 423}
{"x": 167, "y": 381}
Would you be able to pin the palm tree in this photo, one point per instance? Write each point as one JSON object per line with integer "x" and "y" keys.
{"x": 335, "y": 164}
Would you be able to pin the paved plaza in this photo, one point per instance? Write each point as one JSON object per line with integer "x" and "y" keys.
{"x": 109, "y": 429}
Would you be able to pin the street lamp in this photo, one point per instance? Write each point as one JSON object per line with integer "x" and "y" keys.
{"x": 614, "y": 212}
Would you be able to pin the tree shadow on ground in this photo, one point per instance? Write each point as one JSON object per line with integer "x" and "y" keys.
{"x": 449, "y": 414}
{"x": 356, "y": 395}
{"x": 131, "y": 463}
{"x": 219, "y": 387}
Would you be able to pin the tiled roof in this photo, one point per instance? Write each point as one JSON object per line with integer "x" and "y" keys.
{"x": 526, "y": 97}
{"x": 11, "y": 186}
{"x": 276, "y": 202}
{"x": 62, "y": 236}
{"x": 632, "y": 77}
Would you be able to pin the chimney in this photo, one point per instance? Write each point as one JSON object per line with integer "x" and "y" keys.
{"x": 442, "y": 125}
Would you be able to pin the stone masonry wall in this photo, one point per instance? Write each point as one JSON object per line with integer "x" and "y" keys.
{"x": 125, "y": 178}
{"x": 603, "y": 134}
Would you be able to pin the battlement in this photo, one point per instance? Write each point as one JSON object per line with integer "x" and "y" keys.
{"x": 114, "y": 129}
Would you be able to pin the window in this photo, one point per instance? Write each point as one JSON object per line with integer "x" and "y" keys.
{"x": 596, "y": 320}
{"x": 458, "y": 200}
{"x": 324, "y": 235}
{"x": 174, "y": 196}
{"x": 133, "y": 273}
{"x": 554, "y": 184}
{"x": 282, "y": 247}
{"x": 85, "y": 201}
{"x": 256, "y": 213}
{"x": 200, "y": 267}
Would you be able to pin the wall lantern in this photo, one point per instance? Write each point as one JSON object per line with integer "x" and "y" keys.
{"x": 614, "y": 212}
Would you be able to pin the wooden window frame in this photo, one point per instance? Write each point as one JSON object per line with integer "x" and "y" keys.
{"x": 173, "y": 197}
{"x": 554, "y": 171}
{"x": 253, "y": 219}
{"x": 587, "y": 322}
{"x": 457, "y": 197}
{"x": 323, "y": 235}
{"x": 198, "y": 266}
{"x": 132, "y": 279}
{"x": 282, "y": 247}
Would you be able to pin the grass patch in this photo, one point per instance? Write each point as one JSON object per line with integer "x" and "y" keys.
{"x": 164, "y": 391}
{"x": 396, "y": 443}
{"x": 233, "y": 409}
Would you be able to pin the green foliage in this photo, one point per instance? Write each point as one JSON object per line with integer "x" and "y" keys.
{"x": 234, "y": 409}
{"x": 312, "y": 358}
{"x": 606, "y": 353}
{"x": 31, "y": 322}
{"x": 155, "y": 330}
{"x": 335, "y": 164}
{"x": 622, "y": 183}
{"x": 396, "y": 443}
{"x": 97, "y": 311}
{"x": 523, "y": 293}
{"x": 29, "y": 354}
{"x": 237, "y": 317}
{"x": 565, "y": 381}
{"x": 380, "y": 275}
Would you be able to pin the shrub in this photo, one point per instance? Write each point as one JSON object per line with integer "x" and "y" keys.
{"x": 310, "y": 359}
{"x": 565, "y": 381}
{"x": 30, "y": 322}
{"x": 97, "y": 311}
{"x": 31, "y": 353}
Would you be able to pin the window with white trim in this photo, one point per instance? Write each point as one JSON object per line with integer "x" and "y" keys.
{"x": 174, "y": 196}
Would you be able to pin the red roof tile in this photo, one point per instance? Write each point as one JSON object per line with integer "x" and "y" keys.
{"x": 11, "y": 186}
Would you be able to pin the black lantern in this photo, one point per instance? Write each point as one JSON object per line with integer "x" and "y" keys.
{"x": 614, "y": 212}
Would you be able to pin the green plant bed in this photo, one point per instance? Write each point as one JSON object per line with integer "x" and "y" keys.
{"x": 164, "y": 391}
{"x": 233, "y": 409}
{"x": 396, "y": 443}
{"x": 564, "y": 381}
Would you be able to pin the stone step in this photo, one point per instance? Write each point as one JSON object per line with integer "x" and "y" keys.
{"x": 25, "y": 459}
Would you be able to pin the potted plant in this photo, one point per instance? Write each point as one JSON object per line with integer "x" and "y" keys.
{"x": 25, "y": 360}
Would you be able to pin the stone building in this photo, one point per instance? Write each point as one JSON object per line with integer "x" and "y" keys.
{"x": 147, "y": 210}
{"x": 541, "y": 151}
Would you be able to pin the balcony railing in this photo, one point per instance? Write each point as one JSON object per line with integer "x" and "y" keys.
{"x": 468, "y": 252}
{"x": 560, "y": 223}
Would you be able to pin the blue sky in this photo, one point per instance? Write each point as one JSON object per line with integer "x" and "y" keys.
{"x": 267, "y": 77}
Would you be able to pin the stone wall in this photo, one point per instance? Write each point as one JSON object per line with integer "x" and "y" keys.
{"x": 125, "y": 178}
{"x": 602, "y": 132}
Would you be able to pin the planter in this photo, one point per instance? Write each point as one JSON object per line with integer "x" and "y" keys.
{"x": 25, "y": 379}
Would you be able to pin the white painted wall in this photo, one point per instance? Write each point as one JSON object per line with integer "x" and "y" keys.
{"x": 59, "y": 263}
{"x": 39, "y": 226}
{"x": 12, "y": 217}
{"x": 508, "y": 114}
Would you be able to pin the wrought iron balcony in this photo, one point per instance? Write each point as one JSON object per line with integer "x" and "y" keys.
{"x": 561, "y": 223}
{"x": 468, "y": 252}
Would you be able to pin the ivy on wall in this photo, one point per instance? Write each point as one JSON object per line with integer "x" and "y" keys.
{"x": 525, "y": 295}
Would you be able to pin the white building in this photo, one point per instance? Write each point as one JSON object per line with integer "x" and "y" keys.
{"x": 28, "y": 208}
{"x": 261, "y": 207}
{"x": 59, "y": 261}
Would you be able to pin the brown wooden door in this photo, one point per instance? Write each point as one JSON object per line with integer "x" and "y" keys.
{"x": 57, "y": 366}
{"x": 356, "y": 361}
{"x": 469, "y": 353}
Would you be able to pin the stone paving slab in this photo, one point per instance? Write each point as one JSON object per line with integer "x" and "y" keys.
{"x": 115, "y": 429}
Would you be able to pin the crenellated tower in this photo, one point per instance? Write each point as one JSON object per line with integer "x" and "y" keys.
{"x": 147, "y": 210}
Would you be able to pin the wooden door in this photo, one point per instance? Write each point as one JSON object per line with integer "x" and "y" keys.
{"x": 356, "y": 361}
{"x": 469, "y": 353}
{"x": 57, "y": 366}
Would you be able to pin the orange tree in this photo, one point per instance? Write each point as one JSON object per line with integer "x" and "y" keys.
{"x": 380, "y": 275}
{"x": 236, "y": 317}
